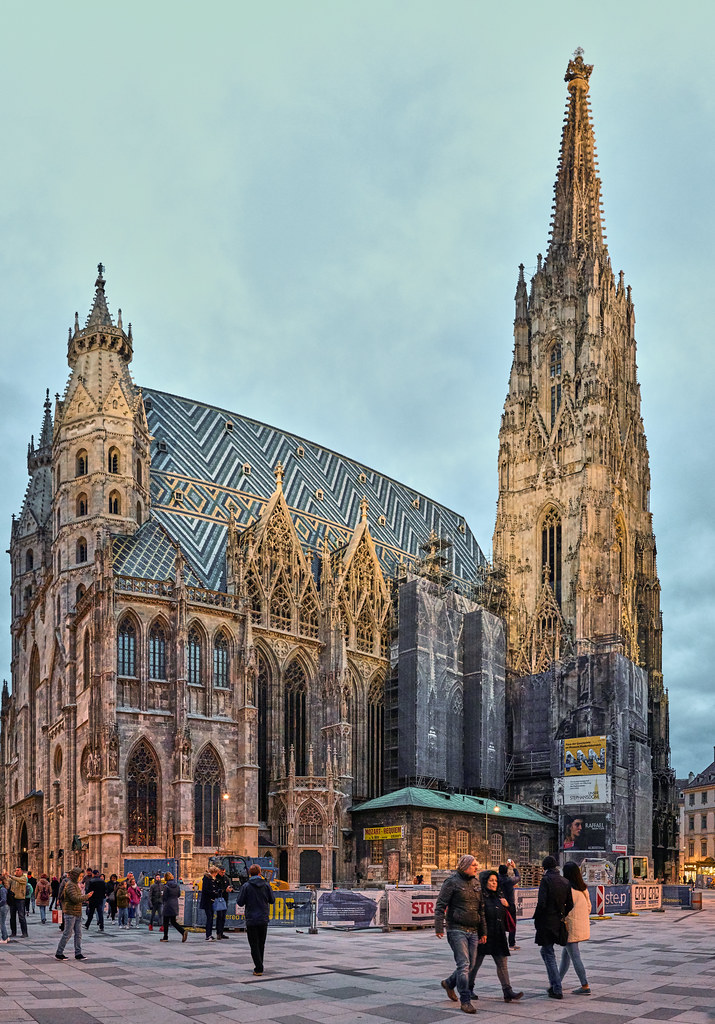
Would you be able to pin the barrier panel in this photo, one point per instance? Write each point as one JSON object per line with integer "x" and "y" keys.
{"x": 412, "y": 906}
{"x": 525, "y": 901}
{"x": 677, "y": 896}
{"x": 291, "y": 909}
{"x": 346, "y": 908}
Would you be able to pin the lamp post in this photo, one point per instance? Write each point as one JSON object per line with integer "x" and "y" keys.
{"x": 495, "y": 810}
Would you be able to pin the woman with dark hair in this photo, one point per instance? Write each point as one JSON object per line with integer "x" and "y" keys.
{"x": 495, "y": 907}
{"x": 578, "y": 925}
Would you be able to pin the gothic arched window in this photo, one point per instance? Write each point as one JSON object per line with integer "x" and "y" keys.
{"x": 80, "y": 465}
{"x": 113, "y": 461}
{"x": 294, "y": 711}
{"x": 551, "y": 551}
{"x": 81, "y": 505}
{"x": 157, "y": 652}
{"x": 429, "y": 846}
{"x": 126, "y": 648}
{"x": 29, "y": 560}
{"x": 221, "y": 660}
{"x": 263, "y": 706}
{"x": 207, "y": 799}
{"x": 142, "y": 797}
{"x": 281, "y": 610}
{"x": 555, "y": 378}
{"x": 81, "y": 550}
{"x": 115, "y": 504}
{"x": 79, "y": 593}
{"x": 310, "y": 826}
{"x": 194, "y": 657}
{"x": 375, "y": 738}
{"x": 309, "y": 617}
{"x": 139, "y": 473}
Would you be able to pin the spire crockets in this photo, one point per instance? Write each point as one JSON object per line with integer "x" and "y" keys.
{"x": 99, "y": 315}
{"x": 577, "y": 218}
{"x": 99, "y": 331}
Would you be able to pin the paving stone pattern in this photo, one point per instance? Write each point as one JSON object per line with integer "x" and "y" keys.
{"x": 655, "y": 967}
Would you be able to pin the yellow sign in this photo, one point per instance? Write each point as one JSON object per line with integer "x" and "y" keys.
{"x": 584, "y": 755}
{"x": 384, "y": 832}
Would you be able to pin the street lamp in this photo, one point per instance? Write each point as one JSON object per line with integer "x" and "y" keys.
{"x": 495, "y": 810}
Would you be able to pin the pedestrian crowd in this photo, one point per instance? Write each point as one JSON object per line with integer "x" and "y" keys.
{"x": 118, "y": 899}
{"x": 479, "y": 917}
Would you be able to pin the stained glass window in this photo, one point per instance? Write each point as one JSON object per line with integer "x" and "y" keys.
{"x": 194, "y": 652}
{"x": 142, "y": 797}
{"x": 157, "y": 652}
{"x": 295, "y": 716}
{"x": 221, "y": 660}
{"x": 207, "y": 799}
{"x": 126, "y": 649}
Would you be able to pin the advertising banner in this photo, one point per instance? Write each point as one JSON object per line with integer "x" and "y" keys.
{"x": 616, "y": 898}
{"x": 525, "y": 901}
{"x": 585, "y": 755}
{"x": 290, "y": 909}
{"x": 587, "y": 789}
{"x": 645, "y": 897}
{"x": 347, "y": 909}
{"x": 384, "y": 832}
{"x": 584, "y": 831}
{"x": 411, "y": 906}
{"x": 677, "y": 896}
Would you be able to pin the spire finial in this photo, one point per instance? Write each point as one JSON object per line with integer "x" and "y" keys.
{"x": 364, "y": 506}
{"x": 278, "y": 473}
{"x": 100, "y": 271}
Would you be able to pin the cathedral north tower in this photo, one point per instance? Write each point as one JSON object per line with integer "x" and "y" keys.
{"x": 574, "y": 535}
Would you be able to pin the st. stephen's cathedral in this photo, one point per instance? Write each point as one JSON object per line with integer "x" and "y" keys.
{"x": 227, "y": 637}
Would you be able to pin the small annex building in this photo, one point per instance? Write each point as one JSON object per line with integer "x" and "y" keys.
{"x": 416, "y": 831}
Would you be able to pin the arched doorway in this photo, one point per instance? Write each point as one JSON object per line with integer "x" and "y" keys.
{"x": 23, "y": 847}
{"x": 310, "y": 867}
{"x": 283, "y": 865}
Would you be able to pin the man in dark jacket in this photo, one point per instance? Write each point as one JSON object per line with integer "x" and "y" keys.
{"x": 507, "y": 884}
{"x": 256, "y": 896}
{"x": 460, "y": 901}
{"x": 552, "y": 907}
{"x": 96, "y": 889}
{"x": 155, "y": 900}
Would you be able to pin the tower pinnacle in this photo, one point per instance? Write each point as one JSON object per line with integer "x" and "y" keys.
{"x": 577, "y": 221}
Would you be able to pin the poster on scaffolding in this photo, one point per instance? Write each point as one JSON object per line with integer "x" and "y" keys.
{"x": 343, "y": 908}
{"x": 583, "y": 756}
{"x": 411, "y": 906}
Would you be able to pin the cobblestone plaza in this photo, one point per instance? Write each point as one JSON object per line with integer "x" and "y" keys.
{"x": 654, "y": 967}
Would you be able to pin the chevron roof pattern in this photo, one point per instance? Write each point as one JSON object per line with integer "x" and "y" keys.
{"x": 208, "y": 463}
{"x": 150, "y": 554}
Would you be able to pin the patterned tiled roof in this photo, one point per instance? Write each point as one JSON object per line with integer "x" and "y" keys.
{"x": 434, "y": 799}
{"x": 208, "y": 463}
{"x": 150, "y": 554}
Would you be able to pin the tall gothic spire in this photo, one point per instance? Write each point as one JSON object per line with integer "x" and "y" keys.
{"x": 577, "y": 219}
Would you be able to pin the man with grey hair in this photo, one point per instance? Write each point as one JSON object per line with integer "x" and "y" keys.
{"x": 460, "y": 902}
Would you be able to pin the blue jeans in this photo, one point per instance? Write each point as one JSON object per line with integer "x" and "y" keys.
{"x": 43, "y": 914}
{"x": 4, "y": 914}
{"x": 465, "y": 946}
{"x": 123, "y": 916}
{"x": 549, "y": 958}
{"x": 571, "y": 951}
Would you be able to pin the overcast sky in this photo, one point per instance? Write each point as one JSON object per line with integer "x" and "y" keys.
{"x": 313, "y": 214}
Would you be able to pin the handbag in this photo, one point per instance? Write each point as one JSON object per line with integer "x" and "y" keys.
{"x": 220, "y": 903}
{"x": 510, "y": 922}
{"x": 55, "y": 916}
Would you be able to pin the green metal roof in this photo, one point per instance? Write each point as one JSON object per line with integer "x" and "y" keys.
{"x": 435, "y": 800}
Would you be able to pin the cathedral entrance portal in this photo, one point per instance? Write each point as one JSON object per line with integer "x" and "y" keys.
{"x": 23, "y": 847}
{"x": 310, "y": 867}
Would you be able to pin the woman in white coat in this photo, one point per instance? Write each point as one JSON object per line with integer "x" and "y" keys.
{"x": 578, "y": 924}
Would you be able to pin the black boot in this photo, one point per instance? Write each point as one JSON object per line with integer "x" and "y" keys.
{"x": 510, "y": 996}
